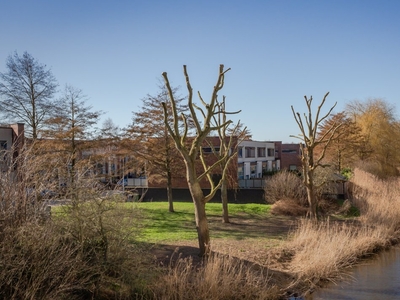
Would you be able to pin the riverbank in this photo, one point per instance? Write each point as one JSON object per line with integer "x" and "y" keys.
{"x": 307, "y": 255}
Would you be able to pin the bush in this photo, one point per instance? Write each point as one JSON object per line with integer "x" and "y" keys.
{"x": 85, "y": 250}
{"x": 285, "y": 185}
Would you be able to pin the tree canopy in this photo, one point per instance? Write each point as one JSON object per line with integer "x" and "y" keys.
{"x": 27, "y": 90}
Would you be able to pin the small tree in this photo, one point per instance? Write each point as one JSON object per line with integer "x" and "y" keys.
{"x": 346, "y": 141}
{"x": 190, "y": 149}
{"x": 27, "y": 90}
{"x": 157, "y": 149}
{"x": 310, "y": 138}
{"x": 71, "y": 127}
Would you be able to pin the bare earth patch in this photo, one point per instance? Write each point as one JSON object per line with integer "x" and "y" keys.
{"x": 247, "y": 239}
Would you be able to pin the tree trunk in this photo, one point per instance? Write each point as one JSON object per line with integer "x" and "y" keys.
{"x": 224, "y": 199}
{"x": 312, "y": 201}
{"x": 169, "y": 193}
{"x": 203, "y": 233}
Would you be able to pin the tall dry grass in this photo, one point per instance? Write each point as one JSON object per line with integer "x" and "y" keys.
{"x": 378, "y": 200}
{"x": 323, "y": 250}
{"x": 220, "y": 277}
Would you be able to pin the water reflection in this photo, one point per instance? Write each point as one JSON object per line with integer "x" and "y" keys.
{"x": 377, "y": 279}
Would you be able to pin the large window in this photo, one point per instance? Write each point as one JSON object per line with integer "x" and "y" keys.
{"x": 271, "y": 152}
{"x": 250, "y": 152}
{"x": 253, "y": 170}
{"x": 261, "y": 152}
{"x": 241, "y": 171}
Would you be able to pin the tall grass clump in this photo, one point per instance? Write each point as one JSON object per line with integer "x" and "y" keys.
{"x": 219, "y": 277}
{"x": 83, "y": 250}
{"x": 322, "y": 250}
{"x": 378, "y": 200}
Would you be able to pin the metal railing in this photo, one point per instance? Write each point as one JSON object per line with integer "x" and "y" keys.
{"x": 251, "y": 183}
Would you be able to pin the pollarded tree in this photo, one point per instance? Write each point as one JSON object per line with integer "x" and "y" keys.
{"x": 310, "y": 140}
{"x": 27, "y": 90}
{"x": 190, "y": 149}
{"x": 157, "y": 149}
{"x": 71, "y": 127}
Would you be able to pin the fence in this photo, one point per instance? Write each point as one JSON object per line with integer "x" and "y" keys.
{"x": 257, "y": 183}
{"x": 136, "y": 183}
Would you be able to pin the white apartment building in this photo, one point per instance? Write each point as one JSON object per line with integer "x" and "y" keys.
{"x": 256, "y": 158}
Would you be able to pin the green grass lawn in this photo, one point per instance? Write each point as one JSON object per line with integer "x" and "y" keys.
{"x": 159, "y": 225}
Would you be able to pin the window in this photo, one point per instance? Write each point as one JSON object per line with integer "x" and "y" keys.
{"x": 260, "y": 152}
{"x": 271, "y": 152}
{"x": 250, "y": 152}
{"x": 210, "y": 150}
{"x": 292, "y": 167}
{"x": 207, "y": 150}
{"x": 264, "y": 166}
{"x": 240, "y": 152}
{"x": 241, "y": 171}
{"x": 253, "y": 169}
{"x": 289, "y": 151}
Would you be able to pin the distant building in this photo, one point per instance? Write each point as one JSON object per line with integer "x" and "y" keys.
{"x": 11, "y": 143}
{"x": 256, "y": 158}
{"x": 289, "y": 155}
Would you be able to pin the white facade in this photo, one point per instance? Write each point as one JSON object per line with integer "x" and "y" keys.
{"x": 256, "y": 157}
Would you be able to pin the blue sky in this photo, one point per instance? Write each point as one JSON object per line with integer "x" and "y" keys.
{"x": 279, "y": 51}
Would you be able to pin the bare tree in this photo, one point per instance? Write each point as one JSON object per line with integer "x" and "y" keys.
{"x": 226, "y": 144}
{"x": 27, "y": 90}
{"x": 310, "y": 140}
{"x": 190, "y": 149}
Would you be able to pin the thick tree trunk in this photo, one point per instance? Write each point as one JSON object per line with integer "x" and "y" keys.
{"x": 312, "y": 201}
{"x": 203, "y": 233}
{"x": 224, "y": 199}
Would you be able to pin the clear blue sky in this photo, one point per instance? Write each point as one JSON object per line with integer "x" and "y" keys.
{"x": 279, "y": 51}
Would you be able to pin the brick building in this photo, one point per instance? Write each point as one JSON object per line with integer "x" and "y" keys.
{"x": 289, "y": 155}
{"x": 11, "y": 138}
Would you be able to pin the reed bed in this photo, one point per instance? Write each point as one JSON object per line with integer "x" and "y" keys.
{"x": 219, "y": 277}
{"x": 322, "y": 251}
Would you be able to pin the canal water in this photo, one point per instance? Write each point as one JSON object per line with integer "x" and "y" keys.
{"x": 375, "y": 279}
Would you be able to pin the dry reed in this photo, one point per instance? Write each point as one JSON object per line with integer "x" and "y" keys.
{"x": 220, "y": 277}
{"x": 323, "y": 250}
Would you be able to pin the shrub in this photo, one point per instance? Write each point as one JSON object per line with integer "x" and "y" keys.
{"x": 285, "y": 185}
{"x": 85, "y": 250}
